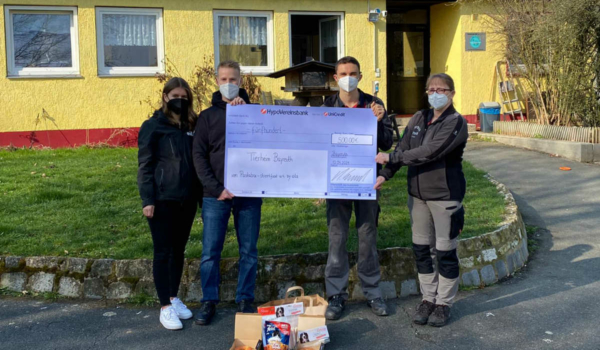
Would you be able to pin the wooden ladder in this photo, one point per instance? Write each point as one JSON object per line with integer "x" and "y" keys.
{"x": 505, "y": 86}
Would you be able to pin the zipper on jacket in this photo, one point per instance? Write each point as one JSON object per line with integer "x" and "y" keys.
{"x": 185, "y": 148}
{"x": 162, "y": 175}
{"x": 185, "y": 155}
{"x": 172, "y": 149}
{"x": 419, "y": 168}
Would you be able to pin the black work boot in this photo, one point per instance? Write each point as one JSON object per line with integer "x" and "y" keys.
{"x": 206, "y": 313}
{"x": 245, "y": 306}
{"x": 335, "y": 308}
{"x": 440, "y": 316}
{"x": 424, "y": 309}
{"x": 378, "y": 307}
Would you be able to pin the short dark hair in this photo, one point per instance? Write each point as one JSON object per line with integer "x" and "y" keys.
{"x": 230, "y": 64}
{"x": 345, "y": 60}
{"x": 443, "y": 77}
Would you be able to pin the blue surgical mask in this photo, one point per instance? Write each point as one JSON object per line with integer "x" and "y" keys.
{"x": 438, "y": 101}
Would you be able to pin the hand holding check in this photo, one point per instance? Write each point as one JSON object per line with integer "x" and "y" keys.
{"x": 238, "y": 101}
{"x": 382, "y": 158}
{"x": 379, "y": 183}
{"x": 378, "y": 110}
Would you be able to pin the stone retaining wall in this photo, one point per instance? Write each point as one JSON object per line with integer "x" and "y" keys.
{"x": 484, "y": 260}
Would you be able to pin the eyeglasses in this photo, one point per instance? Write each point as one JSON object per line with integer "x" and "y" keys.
{"x": 439, "y": 91}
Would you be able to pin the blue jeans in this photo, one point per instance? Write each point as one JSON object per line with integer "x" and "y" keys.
{"x": 215, "y": 215}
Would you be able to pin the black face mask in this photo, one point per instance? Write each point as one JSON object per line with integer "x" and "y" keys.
{"x": 179, "y": 106}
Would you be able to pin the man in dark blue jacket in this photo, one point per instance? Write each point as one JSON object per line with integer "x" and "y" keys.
{"x": 219, "y": 203}
{"x": 339, "y": 211}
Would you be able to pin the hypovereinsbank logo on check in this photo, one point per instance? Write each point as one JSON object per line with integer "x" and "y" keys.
{"x": 272, "y": 111}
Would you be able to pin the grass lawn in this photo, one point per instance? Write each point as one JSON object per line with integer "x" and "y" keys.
{"x": 84, "y": 202}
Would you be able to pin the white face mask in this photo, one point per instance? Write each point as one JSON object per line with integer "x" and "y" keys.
{"x": 438, "y": 101}
{"x": 229, "y": 90}
{"x": 348, "y": 83}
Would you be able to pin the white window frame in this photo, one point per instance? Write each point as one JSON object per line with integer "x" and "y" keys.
{"x": 255, "y": 70}
{"x": 40, "y": 72}
{"x": 342, "y": 32}
{"x": 104, "y": 71}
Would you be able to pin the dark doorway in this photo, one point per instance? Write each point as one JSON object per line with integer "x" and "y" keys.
{"x": 408, "y": 38}
{"x": 315, "y": 36}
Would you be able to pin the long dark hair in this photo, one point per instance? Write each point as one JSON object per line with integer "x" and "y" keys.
{"x": 171, "y": 85}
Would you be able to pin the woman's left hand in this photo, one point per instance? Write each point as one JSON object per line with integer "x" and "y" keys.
{"x": 238, "y": 101}
{"x": 382, "y": 158}
{"x": 379, "y": 183}
{"x": 378, "y": 110}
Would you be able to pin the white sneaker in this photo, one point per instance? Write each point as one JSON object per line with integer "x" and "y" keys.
{"x": 169, "y": 318}
{"x": 182, "y": 311}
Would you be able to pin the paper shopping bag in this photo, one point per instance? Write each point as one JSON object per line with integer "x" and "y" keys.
{"x": 314, "y": 305}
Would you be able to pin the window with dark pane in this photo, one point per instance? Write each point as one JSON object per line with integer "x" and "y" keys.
{"x": 42, "y": 40}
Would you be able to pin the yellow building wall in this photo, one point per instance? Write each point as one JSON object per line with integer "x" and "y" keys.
{"x": 478, "y": 74}
{"x": 92, "y": 102}
{"x": 446, "y": 45}
{"x": 472, "y": 71}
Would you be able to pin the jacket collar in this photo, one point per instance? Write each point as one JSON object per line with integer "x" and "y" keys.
{"x": 162, "y": 118}
{"x": 361, "y": 100}
{"x": 449, "y": 111}
{"x": 217, "y": 99}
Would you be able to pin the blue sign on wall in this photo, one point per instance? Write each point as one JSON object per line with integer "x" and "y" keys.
{"x": 475, "y": 42}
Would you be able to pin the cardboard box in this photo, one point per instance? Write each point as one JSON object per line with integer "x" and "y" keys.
{"x": 248, "y": 328}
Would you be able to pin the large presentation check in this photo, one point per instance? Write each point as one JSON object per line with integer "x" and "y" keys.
{"x": 301, "y": 152}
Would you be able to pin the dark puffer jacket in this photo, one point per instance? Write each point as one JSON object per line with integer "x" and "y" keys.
{"x": 165, "y": 167}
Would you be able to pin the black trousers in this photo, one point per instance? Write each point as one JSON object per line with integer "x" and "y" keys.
{"x": 170, "y": 227}
{"x": 337, "y": 271}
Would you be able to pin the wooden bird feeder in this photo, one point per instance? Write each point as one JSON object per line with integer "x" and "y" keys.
{"x": 309, "y": 82}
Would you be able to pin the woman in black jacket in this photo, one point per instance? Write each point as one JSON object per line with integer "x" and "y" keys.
{"x": 170, "y": 192}
{"x": 432, "y": 148}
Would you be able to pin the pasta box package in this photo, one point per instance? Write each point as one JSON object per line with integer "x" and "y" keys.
{"x": 284, "y": 310}
{"x": 315, "y": 334}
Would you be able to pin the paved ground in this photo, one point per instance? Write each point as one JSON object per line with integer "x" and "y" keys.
{"x": 553, "y": 304}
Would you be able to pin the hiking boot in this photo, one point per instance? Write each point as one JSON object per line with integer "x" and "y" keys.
{"x": 335, "y": 308}
{"x": 440, "y": 316}
{"x": 245, "y": 306}
{"x": 378, "y": 307}
{"x": 424, "y": 310}
{"x": 206, "y": 313}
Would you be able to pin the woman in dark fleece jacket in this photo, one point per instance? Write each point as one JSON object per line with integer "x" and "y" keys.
{"x": 170, "y": 191}
{"x": 432, "y": 149}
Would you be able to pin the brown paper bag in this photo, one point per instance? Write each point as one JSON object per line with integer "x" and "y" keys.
{"x": 314, "y": 305}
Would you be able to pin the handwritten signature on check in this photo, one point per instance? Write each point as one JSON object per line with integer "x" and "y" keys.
{"x": 351, "y": 175}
